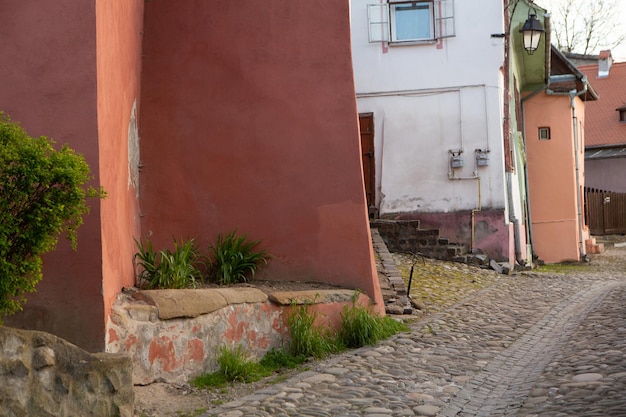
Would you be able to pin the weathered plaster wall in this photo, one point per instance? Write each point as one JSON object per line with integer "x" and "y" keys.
{"x": 249, "y": 121}
{"x": 551, "y": 174}
{"x": 118, "y": 27}
{"x": 48, "y": 72}
{"x": 491, "y": 233}
{"x": 174, "y": 335}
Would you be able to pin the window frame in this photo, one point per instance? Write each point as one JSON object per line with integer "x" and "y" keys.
{"x": 381, "y": 28}
{"x": 396, "y": 6}
{"x": 546, "y": 130}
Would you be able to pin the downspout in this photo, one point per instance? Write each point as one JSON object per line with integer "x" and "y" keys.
{"x": 475, "y": 210}
{"x": 475, "y": 175}
{"x": 573, "y": 95}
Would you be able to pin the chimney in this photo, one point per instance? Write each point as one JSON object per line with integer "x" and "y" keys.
{"x": 605, "y": 60}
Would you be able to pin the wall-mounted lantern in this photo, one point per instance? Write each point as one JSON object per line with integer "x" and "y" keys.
{"x": 531, "y": 32}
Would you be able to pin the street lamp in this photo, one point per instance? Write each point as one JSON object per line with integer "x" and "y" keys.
{"x": 531, "y": 32}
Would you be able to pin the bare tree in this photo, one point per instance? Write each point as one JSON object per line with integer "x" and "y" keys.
{"x": 585, "y": 26}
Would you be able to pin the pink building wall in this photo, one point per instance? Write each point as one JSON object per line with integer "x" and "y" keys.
{"x": 75, "y": 79}
{"x": 119, "y": 27}
{"x": 552, "y": 176}
{"x": 492, "y": 234}
{"x": 248, "y": 118}
{"x": 249, "y": 121}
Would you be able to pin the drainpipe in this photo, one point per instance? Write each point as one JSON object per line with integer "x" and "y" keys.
{"x": 572, "y": 95}
{"x": 475, "y": 210}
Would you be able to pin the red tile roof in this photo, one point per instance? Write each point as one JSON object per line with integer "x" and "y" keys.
{"x": 602, "y": 125}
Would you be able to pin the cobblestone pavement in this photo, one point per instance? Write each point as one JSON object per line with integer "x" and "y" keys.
{"x": 533, "y": 344}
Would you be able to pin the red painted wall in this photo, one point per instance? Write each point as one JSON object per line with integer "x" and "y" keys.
{"x": 48, "y": 73}
{"x": 249, "y": 121}
{"x": 119, "y": 26}
{"x": 75, "y": 79}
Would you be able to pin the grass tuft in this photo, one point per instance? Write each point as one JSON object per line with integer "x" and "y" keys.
{"x": 360, "y": 327}
{"x": 307, "y": 339}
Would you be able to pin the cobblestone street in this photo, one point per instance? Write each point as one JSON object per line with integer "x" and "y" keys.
{"x": 532, "y": 344}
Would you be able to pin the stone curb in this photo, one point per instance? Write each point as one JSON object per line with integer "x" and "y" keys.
{"x": 195, "y": 302}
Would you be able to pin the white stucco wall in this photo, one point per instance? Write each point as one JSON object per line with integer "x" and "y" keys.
{"x": 429, "y": 99}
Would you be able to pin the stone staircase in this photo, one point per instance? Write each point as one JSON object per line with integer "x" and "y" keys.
{"x": 406, "y": 236}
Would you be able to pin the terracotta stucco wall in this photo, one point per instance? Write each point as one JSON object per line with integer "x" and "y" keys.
{"x": 249, "y": 121}
{"x": 118, "y": 27}
{"x": 48, "y": 73}
{"x": 552, "y": 177}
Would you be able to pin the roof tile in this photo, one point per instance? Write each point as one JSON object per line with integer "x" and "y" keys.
{"x": 602, "y": 125}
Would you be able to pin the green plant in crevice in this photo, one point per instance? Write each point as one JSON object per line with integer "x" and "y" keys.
{"x": 180, "y": 268}
{"x": 361, "y": 327}
{"x": 234, "y": 366}
{"x": 235, "y": 258}
{"x": 275, "y": 360}
{"x": 307, "y": 338}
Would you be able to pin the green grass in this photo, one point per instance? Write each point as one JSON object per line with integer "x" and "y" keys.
{"x": 194, "y": 413}
{"x": 276, "y": 360}
{"x": 563, "y": 268}
{"x": 234, "y": 367}
{"x": 359, "y": 327}
{"x": 307, "y": 339}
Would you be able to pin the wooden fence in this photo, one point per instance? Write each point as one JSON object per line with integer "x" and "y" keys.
{"x": 605, "y": 212}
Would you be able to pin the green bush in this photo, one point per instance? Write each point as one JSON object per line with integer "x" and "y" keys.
{"x": 166, "y": 269}
{"x": 42, "y": 194}
{"x": 235, "y": 258}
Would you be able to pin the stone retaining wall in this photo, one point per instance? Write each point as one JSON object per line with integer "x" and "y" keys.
{"x": 43, "y": 375}
{"x": 174, "y": 335}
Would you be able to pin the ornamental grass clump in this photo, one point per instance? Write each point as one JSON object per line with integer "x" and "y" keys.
{"x": 42, "y": 194}
{"x": 361, "y": 327}
{"x": 180, "y": 268}
{"x": 235, "y": 258}
{"x": 308, "y": 339}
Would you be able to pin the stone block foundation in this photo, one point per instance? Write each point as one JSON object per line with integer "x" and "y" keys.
{"x": 174, "y": 335}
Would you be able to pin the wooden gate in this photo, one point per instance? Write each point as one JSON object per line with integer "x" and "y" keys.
{"x": 605, "y": 212}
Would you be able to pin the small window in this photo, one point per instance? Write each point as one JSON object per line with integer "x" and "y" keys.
{"x": 411, "y": 22}
{"x": 544, "y": 133}
{"x": 622, "y": 115}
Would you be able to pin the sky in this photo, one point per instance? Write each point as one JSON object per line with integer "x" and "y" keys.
{"x": 619, "y": 53}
